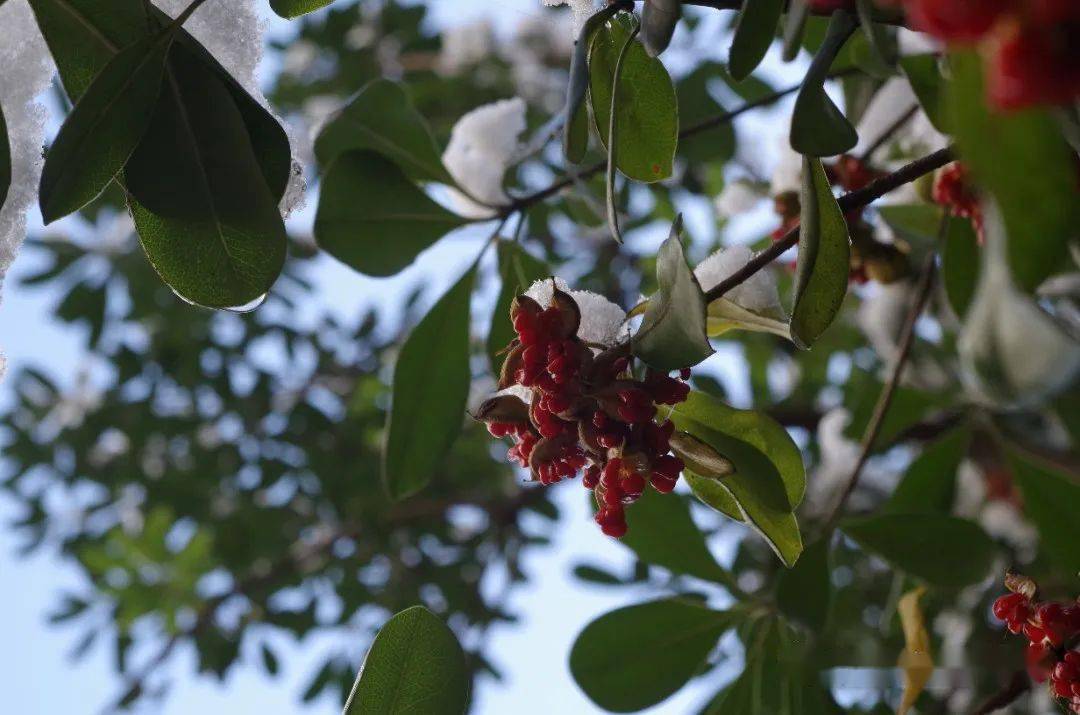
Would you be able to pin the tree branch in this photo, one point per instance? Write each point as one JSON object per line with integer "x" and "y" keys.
{"x": 848, "y": 202}
{"x": 907, "y": 339}
{"x": 1017, "y": 686}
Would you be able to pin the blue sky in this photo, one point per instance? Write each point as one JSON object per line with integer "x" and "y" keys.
{"x": 36, "y": 674}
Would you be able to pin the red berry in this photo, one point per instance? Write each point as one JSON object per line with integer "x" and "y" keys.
{"x": 955, "y": 20}
{"x": 669, "y": 466}
{"x": 1066, "y": 671}
{"x": 591, "y": 477}
{"x": 662, "y": 483}
{"x": 612, "y": 521}
{"x": 632, "y": 486}
{"x": 1004, "y": 606}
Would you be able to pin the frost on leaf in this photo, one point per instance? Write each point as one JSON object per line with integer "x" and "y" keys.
{"x": 483, "y": 144}
{"x": 233, "y": 33}
{"x": 28, "y": 68}
{"x": 754, "y": 304}
{"x": 581, "y": 9}
{"x": 601, "y": 320}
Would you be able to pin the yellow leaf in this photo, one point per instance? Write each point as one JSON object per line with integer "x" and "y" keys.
{"x": 724, "y": 315}
{"x": 915, "y": 660}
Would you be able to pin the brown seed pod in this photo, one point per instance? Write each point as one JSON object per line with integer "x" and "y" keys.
{"x": 513, "y": 361}
{"x": 503, "y": 408}
{"x": 569, "y": 314}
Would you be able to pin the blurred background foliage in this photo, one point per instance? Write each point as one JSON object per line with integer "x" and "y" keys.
{"x": 218, "y": 476}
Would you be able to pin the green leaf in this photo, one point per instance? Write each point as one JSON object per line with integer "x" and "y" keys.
{"x": 880, "y": 38}
{"x": 779, "y": 679}
{"x": 613, "y": 134}
{"x": 268, "y": 138}
{"x": 769, "y": 479}
{"x": 372, "y": 218}
{"x": 518, "y": 270}
{"x": 596, "y": 575}
{"x": 382, "y": 118}
{"x": 431, "y": 387}
{"x": 941, "y": 550}
{"x": 290, "y": 9}
{"x": 804, "y": 592}
{"x": 824, "y": 262}
{"x": 5, "y": 160}
{"x": 924, "y": 76}
{"x": 818, "y": 127}
{"x": 929, "y": 485}
{"x": 661, "y": 532}
{"x": 614, "y": 659}
{"x": 1051, "y": 500}
{"x": 672, "y": 334}
{"x": 576, "y": 127}
{"x": 210, "y": 224}
{"x": 754, "y": 33}
{"x": 103, "y": 128}
{"x": 83, "y": 35}
{"x": 1023, "y": 160}
{"x": 794, "y": 27}
{"x": 658, "y": 20}
{"x": 710, "y": 492}
{"x": 918, "y": 224}
{"x": 648, "y": 118}
{"x": 696, "y": 104}
{"x": 415, "y": 665}
{"x": 960, "y": 264}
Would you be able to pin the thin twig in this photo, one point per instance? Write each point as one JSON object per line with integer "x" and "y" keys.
{"x": 694, "y": 129}
{"x": 877, "y": 419}
{"x": 848, "y": 202}
{"x": 1017, "y": 686}
{"x": 888, "y": 132}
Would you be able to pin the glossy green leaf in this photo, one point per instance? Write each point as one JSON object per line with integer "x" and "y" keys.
{"x": 929, "y": 485}
{"x": 648, "y": 118}
{"x": 614, "y": 659}
{"x": 613, "y": 135}
{"x": 672, "y": 333}
{"x": 960, "y": 264}
{"x": 941, "y": 550}
{"x": 769, "y": 479}
{"x": 821, "y": 274}
{"x": 5, "y": 159}
{"x": 661, "y": 532}
{"x": 290, "y": 9}
{"x": 711, "y": 492}
{"x": 924, "y": 76}
{"x": 382, "y": 118}
{"x": 431, "y": 387}
{"x": 518, "y": 269}
{"x": 373, "y": 218}
{"x": 818, "y": 127}
{"x": 210, "y": 224}
{"x": 103, "y": 128}
{"x": 576, "y": 126}
{"x": 1023, "y": 160}
{"x": 804, "y": 592}
{"x": 754, "y": 33}
{"x": 268, "y": 137}
{"x": 83, "y": 35}
{"x": 1051, "y": 500}
{"x": 415, "y": 665}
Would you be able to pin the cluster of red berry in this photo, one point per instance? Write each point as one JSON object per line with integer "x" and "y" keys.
{"x": 953, "y": 189}
{"x": 1053, "y": 633}
{"x": 586, "y": 411}
{"x": 1029, "y": 46}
